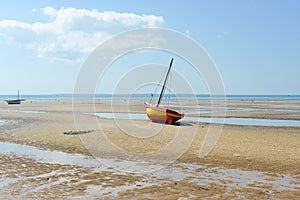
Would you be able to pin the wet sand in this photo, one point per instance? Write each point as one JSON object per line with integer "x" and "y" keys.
{"x": 274, "y": 151}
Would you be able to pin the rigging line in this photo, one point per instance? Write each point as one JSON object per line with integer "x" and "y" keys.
{"x": 164, "y": 86}
{"x": 167, "y": 93}
{"x": 169, "y": 88}
{"x": 158, "y": 85}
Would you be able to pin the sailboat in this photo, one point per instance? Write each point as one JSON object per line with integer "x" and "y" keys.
{"x": 15, "y": 101}
{"x": 159, "y": 114}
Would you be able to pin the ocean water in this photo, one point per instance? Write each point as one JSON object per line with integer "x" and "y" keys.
{"x": 150, "y": 96}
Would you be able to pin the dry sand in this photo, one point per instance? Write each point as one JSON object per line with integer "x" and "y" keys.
{"x": 274, "y": 151}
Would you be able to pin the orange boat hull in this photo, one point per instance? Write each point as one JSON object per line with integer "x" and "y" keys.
{"x": 162, "y": 115}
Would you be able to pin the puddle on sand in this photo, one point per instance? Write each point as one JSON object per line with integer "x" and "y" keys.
{"x": 232, "y": 121}
{"x": 52, "y": 157}
{"x": 24, "y": 111}
{"x": 132, "y": 116}
{"x": 201, "y": 175}
{"x": 58, "y": 157}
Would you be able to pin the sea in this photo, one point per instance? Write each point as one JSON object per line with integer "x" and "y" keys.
{"x": 150, "y": 96}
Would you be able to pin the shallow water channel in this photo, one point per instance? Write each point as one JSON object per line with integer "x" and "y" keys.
{"x": 232, "y": 121}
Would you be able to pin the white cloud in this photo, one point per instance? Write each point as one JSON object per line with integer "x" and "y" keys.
{"x": 70, "y": 33}
{"x": 223, "y": 35}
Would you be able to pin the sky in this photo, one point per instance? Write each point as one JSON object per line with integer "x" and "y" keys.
{"x": 255, "y": 44}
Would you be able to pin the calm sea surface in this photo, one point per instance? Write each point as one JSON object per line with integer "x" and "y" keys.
{"x": 148, "y": 96}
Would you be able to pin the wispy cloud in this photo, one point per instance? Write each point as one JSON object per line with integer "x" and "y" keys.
{"x": 223, "y": 35}
{"x": 70, "y": 33}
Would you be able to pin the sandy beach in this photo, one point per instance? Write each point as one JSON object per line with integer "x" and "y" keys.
{"x": 247, "y": 162}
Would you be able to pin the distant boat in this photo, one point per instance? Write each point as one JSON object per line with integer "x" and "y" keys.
{"x": 163, "y": 115}
{"x": 15, "y": 101}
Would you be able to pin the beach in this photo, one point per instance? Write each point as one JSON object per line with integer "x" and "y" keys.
{"x": 246, "y": 162}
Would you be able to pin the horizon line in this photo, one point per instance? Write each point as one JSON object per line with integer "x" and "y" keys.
{"x": 204, "y": 94}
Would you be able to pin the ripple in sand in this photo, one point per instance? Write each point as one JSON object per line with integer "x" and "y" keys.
{"x": 232, "y": 179}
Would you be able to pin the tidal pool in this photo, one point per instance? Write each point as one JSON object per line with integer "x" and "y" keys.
{"x": 24, "y": 111}
{"x": 232, "y": 121}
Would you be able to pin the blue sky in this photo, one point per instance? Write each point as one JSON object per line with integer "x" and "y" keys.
{"x": 254, "y": 43}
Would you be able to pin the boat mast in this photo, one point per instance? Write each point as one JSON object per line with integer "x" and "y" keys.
{"x": 18, "y": 94}
{"x": 164, "y": 86}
